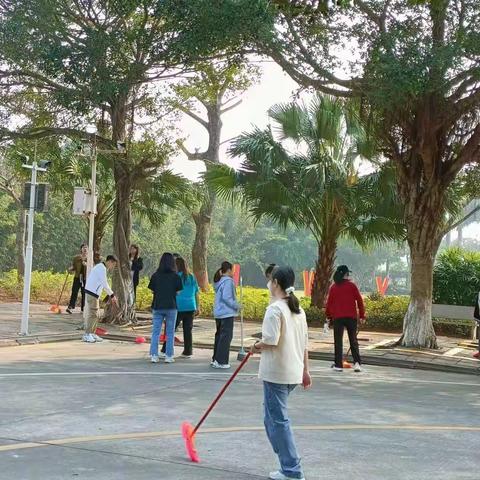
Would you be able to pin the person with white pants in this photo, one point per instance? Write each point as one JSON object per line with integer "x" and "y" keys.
{"x": 96, "y": 283}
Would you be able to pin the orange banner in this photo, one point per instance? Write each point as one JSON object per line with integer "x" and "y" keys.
{"x": 308, "y": 277}
{"x": 236, "y": 274}
{"x": 382, "y": 285}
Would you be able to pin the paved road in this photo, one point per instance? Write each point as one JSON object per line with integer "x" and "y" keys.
{"x": 71, "y": 410}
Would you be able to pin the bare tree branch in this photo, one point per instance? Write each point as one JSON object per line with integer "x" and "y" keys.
{"x": 44, "y": 132}
{"x": 462, "y": 220}
{"x": 192, "y": 156}
{"x": 193, "y": 115}
{"x": 230, "y": 107}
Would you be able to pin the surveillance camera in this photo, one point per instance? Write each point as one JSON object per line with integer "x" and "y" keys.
{"x": 44, "y": 163}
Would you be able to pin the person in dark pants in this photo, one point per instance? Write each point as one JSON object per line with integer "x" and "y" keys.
{"x": 344, "y": 306}
{"x": 225, "y": 309}
{"x": 165, "y": 285}
{"x": 79, "y": 270}
{"x": 136, "y": 265}
{"x": 187, "y": 306}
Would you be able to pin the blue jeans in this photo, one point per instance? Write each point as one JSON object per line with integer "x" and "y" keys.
{"x": 278, "y": 428}
{"x": 170, "y": 317}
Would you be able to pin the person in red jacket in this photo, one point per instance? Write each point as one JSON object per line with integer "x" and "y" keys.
{"x": 345, "y": 306}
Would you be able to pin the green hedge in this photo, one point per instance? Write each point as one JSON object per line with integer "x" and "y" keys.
{"x": 384, "y": 314}
{"x": 456, "y": 278}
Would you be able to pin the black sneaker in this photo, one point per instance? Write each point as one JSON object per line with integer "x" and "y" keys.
{"x": 69, "y": 310}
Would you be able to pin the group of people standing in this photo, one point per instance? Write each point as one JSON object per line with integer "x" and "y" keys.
{"x": 283, "y": 346}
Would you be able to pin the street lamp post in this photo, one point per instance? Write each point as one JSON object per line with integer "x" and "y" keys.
{"x": 91, "y": 129}
{"x": 27, "y": 281}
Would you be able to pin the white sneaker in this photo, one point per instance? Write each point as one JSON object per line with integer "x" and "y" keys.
{"x": 154, "y": 359}
{"x": 162, "y": 355}
{"x": 280, "y": 476}
{"x": 337, "y": 369}
{"x": 214, "y": 364}
{"x": 97, "y": 338}
{"x": 169, "y": 360}
{"x": 357, "y": 367}
{"x": 89, "y": 338}
{"x": 186, "y": 356}
{"x": 224, "y": 366}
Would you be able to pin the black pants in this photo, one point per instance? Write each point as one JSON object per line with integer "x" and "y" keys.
{"x": 76, "y": 287}
{"x": 187, "y": 319}
{"x": 135, "y": 294}
{"x": 338, "y": 326}
{"x": 223, "y": 339}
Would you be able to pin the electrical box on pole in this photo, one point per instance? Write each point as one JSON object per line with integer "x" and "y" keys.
{"x": 41, "y": 196}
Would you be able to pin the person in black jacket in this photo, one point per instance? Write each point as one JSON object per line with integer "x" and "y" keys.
{"x": 165, "y": 285}
{"x": 136, "y": 264}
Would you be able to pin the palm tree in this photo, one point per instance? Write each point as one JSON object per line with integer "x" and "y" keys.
{"x": 317, "y": 185}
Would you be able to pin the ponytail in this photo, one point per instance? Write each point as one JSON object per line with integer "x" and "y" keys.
{"x": 293, "y": 303}
{"x": 218, "y": 275}
{"x": 224, "y": 268}
{"x": 285, "y": 278}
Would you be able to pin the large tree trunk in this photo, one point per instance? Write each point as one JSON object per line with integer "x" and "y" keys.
{"x": 424, "y": 236}
{"x": 203, "y": 222}
{"x": 20, "y": 240}
{"x": 122, "y": 226}
{"x": 324, "y": 266}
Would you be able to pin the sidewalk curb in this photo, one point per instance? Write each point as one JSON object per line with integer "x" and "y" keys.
{"x": 325, "y": 356}
{"x": 39, "y": 339}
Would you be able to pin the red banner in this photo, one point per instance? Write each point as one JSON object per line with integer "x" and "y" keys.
{"x": 382, "y": 285}
{"x": 236, "y": 274}
{"x": 308, "y": 277}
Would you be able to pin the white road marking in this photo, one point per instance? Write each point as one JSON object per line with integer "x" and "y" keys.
{"x": 324, "y": 373}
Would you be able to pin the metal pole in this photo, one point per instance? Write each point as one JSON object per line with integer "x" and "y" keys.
{"x": 93, "y": 209}
{"x": 241, "y": 354}
{"x": 29, "y": 253}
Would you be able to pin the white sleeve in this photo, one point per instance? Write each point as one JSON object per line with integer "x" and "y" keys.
{"x": 272, "y": 325}
{"x": 104, "y": 283}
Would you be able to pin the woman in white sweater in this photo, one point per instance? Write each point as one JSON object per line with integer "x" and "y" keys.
{"x": 283, "y": 366}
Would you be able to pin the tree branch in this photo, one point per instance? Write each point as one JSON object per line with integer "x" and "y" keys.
{"x": 470, "y": 153}
{"x": 193, "y": 115}
{"x": 192, "y": 156}
{"x": 462, "y": 220}
{"x": 303, "y": 79}
{"x": 44, "y": 132}
{"x": 230, "y": 107}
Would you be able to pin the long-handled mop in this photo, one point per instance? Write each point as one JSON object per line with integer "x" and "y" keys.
{"x": 242, "y": 353}
{"x": 56, "y": 308}
{"x": 188, "y": 431}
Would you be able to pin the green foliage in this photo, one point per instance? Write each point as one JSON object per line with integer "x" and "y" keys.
{"x": 384, "y": 314}
{"x": 456, "y": 278}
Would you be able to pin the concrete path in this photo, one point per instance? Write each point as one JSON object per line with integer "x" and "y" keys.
{"x": 377, "y": 348}
{"x": 103, "y": 412}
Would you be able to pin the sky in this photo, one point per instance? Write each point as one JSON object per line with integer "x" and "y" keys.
{"x": 274, "y": 87}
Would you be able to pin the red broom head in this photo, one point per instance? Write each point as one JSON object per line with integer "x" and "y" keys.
{"x": 347, "y": 364}
{"x": 163, "y": 338}
{"x": 101, "y": 331}
{"x": 189, "y": 438}
{"x": 54, "y": 308}
{"x": 140, "y": 340}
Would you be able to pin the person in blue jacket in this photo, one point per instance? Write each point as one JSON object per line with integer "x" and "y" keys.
{"x": 225, "y": 309}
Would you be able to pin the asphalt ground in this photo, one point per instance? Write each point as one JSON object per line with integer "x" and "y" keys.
{"x": 102, "y": 411}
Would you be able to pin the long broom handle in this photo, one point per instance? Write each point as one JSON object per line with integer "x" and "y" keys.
{"x": 222, "y": 391}
{"x": 63, "y": 288}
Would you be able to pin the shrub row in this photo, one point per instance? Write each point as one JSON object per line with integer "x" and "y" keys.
{"x": 384, "y": 314}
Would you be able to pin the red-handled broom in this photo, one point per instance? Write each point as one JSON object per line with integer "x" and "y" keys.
{"x": 188, "y": 431}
